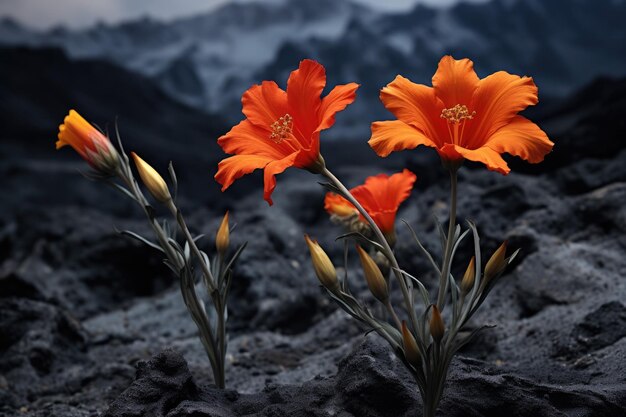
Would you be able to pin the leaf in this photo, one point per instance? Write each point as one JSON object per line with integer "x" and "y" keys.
{"x": 330, "y": 187}
{"x": 141, "y": 239}
{"x": 458, "y": 241}
{"x": 360, "y": 235}
{"x": 419, "y": 244}
{"x": 123, "y": 190}
{"x": 443, "y": 237}
{"x": 477, "y": 272}
{"x": 170, "y": 169}
{"x": 235, "y": 256}
{"x": 470, "y": 337}
{"x": 422, "y": 289}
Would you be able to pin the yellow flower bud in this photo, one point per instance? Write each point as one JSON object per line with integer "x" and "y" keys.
{"x": 152, "y": 180}
{"x": 496, "y": 263}
{"x": 437, "y": 326}
{"x": 222, "y": 239}
{"x": 411, "y": 351}
{"x": 323, "y": 266}
{"x": 467, "y": 283}
{"x": 375, "y": 280}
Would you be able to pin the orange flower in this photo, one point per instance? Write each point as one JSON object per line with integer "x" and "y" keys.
{"x": 380, "y": 196}
{"x": 282, "y": 128}
{"x": 462, "y": 116}
{"x": 89, "y": 142}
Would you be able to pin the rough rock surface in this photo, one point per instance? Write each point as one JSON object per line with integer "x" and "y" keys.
{"x": 93, "y": 324}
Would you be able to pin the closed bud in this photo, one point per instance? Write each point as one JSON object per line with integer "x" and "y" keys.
{"x": 467, "y": 283}
{"x": 222, "y": 239}
{"x": 89, "y": 142}
{"x": 374, "y": 277}
{"x": 496, "y": 263}
{"x": 411, "y": 351}
{"x": 324, "y": 268}
{"x": 152, "y": 180}
{"x": 437, "y": 327}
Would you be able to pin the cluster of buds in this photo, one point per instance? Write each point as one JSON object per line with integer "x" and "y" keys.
{"x": 426, "y": 342}
{"x": 110, "y": 164}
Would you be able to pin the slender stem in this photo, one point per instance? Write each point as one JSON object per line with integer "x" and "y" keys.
{"x": 388, "y": 252}
{"x": 447, "y": 257}
{"x": 192, "y": 244}
{"x": 393, "y": 314}
{"x": 187, "y": 284}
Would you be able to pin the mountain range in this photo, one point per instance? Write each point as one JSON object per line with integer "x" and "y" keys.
{"x": 208, "y": 60}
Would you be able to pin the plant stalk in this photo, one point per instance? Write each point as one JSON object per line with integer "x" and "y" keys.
{"x": 447, "y": 257}
{"x": 388, "y": 252}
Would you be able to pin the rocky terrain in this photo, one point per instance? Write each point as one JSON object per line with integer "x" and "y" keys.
{"x": 92, "y": 323}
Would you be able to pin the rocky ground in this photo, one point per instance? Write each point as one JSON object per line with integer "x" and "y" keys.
{"x": 92, "y": 323}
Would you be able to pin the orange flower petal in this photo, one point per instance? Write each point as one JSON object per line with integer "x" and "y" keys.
{"x": 247, "y": 138}
{"x": 230, "y": 169}
{"x": 271, "y": 170}
{"x": 395, "y": 135}
{"x": 498, "y": 98}
{"x": 455, "y": 81}
{"x": 487, "y": 156}
{"x": 522, "y": 138}
{"x": 263, "y": 104}
{"x": 304, "y": 90}
{"x": 416, "y": 105}
{"x": 336, "y": 204}
{"x": 337, "y": 100}
{"x": 381, "y": 196}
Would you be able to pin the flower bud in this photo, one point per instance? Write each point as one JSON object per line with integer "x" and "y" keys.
{"x": 89, "y": 142}
{"x": 496, "y": 263}
{"x": 222, "y": 239}
{"x": 324, "y": 268}
{"x": 467, "y": 283}
{"x": 375, "y": 280}
{"x": 411, "y": 351}
{"x": 437, "y": 326}
{"x": 152, "y": 180}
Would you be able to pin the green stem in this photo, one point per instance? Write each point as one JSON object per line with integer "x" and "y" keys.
{"x": 187, "y": 283}
{"x": 387, "y": 251}
{"x": 447, "y": 258}
{"x": 192, "y": 244}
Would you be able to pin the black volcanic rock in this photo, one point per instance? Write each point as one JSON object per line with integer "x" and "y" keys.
{"x": 161, "y": 383}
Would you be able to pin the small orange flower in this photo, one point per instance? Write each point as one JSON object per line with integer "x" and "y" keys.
{"x": 89, "y": 142}
{"x": 462, "y": 116}
{"x": 380, "y": 196}
{"x": 282, "y": 128}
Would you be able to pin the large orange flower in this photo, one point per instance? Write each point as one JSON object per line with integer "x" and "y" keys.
{"x": 380, "y": 196}
{"x": 282, "y": 128}
{"x": 89, "y": 142}
{"x": 462, "y": 116}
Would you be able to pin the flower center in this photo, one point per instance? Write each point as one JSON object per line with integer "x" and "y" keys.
{"x": 282, "y": 128}
{"x": 456, "y": 116}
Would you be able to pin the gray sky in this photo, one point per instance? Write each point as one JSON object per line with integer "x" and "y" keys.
{"x": 81, "y": 13}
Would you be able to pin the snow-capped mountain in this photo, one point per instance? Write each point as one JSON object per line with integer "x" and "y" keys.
{"x": 210, "y": 59}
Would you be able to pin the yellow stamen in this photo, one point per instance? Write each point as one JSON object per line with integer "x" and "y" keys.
{"x": 456, "y": 116}
{"x": 282, "y": 128}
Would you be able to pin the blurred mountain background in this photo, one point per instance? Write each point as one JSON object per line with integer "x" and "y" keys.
{"x": 175, "y": 85}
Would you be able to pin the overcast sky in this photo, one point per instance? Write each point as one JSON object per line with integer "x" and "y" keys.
{"x": 81, "y": 13}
